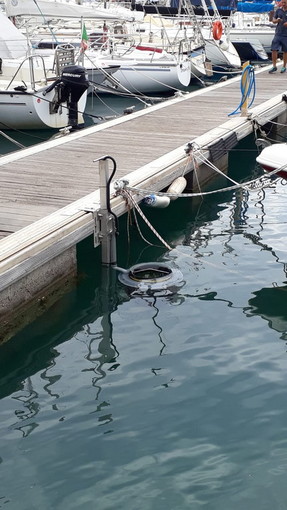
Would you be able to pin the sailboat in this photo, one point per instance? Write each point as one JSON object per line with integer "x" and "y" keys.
{"x": 31, "y": 95}
{"x": 216, "y": 33}
{"x": 155, "y": 55}
{"x": 215, "y": 30}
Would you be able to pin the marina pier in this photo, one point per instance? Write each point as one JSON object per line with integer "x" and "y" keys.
{"x": 50, "y": 192}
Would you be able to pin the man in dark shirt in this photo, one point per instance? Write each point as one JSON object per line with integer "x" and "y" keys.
{"x": 279, "y": 42}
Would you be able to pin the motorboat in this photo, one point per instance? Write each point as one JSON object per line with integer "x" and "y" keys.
{"x": 26, "y": 82}
{"x": 33, "y": 95}
{"x": 57, "y": 104}
{"x": 274, "y": 157}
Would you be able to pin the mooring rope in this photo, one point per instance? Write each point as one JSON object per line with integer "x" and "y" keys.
{"x": 252, "y": 185}
{"x": 12, "y": 140}
{"x": 127, "y": 195}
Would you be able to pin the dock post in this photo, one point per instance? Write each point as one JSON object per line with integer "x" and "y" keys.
{"x": 245, "y": 87}
{"x": 106, "y": 218}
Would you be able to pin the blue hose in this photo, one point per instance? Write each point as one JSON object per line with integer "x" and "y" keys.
{"x": 247, "y": 76}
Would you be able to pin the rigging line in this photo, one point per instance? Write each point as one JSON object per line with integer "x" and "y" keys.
{"x": 67, "y": 108}
{"x": 184, "y": 170}
{"x": 22, "y": 132}
{"x": 276, "y": 123}
{"x": 99, "y": 68}
{"x": 140, "y": 232}
{"x": 125, "y": 192}
{"x": 106, "y": 88}
{"x": 144, "y": 192}
{"x": 272, "y": 139}
{"x": 203, "y": 159}
{"x": 152, "y": 79}
{"x": 12, "y": 140}
{"x": 45, "y": 20}
{"x": 194, "y": 76}
{"x": 106, "y": 105}
{"x": 129, "y": 91}
{"x": 196, "y": 168}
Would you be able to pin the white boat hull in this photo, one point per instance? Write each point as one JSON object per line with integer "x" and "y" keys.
{"x": 222, "y": 54}
{"x": 198, "y": 64}
{"x": 274, "y": 157}
{"x": 31, "y": 110}
{"x": 154, "y": 77}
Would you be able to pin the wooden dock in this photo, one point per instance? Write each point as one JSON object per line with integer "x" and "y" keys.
{"x": 46, "y": 190}
{"x": 40, "y": 180}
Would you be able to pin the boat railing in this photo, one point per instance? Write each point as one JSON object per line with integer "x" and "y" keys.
{"x": 31, "y": 59}
{"x": 64, "y": 56}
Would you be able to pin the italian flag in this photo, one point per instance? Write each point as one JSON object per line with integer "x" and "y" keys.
{"x": 85, "y": 38}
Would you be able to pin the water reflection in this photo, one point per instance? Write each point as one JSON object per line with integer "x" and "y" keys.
{"x": 172, "y": 402}
{"x": 29, "y": 400}
{"x": 271, "y": 305}
{"x": 102, "y": 344}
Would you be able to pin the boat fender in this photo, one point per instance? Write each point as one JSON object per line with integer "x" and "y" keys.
{"x": 156, "y": 201}
{"x": 224, "y": 45}
{"x": 177, "y": 187}
{"x": 217, "y": 30}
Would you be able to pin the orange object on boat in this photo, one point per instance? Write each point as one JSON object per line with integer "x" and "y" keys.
{"x": 217, "y": 30}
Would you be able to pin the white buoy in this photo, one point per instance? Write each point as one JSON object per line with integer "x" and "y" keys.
{"x": 177, "y": 187}
{"x": 223, "y": 45}
{"x": 156, "y": 201}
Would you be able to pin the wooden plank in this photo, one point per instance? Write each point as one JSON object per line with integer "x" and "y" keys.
{"x": 45, "y": 179}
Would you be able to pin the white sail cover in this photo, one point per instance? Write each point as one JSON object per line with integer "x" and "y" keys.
{"x": 59, "y": 10}
{"x": 13, "y": 43}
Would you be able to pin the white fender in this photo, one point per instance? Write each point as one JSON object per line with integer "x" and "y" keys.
{"x": 177, "y": 187}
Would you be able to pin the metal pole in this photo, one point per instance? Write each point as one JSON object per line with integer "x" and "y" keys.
{"x": 245, "y": 86}
{"x": 107, "y": 219}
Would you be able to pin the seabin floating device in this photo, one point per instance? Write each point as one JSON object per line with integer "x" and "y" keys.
{"x": 151, "y": 278}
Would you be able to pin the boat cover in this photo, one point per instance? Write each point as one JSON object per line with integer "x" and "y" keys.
{"x": 255, "y": 6}
{"x": 13, "y": 43}
{"x": 59, "y": 10}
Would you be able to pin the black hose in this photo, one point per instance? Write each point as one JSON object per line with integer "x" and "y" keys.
{"x": 108, "y": 190}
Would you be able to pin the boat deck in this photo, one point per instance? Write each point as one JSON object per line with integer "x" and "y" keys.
{"x": 42, "y": 179}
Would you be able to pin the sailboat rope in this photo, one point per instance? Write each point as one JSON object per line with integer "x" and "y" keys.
{"x": 252, "y": 185}
{"x": 128, "y": 197}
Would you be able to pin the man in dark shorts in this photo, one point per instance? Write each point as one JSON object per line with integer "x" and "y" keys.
{"x": 279, "y": 42}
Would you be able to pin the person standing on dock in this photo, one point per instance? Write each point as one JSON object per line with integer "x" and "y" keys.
{"x": 279, "y": 42}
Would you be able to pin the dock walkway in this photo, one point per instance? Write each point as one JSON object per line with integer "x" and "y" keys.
{"x": 51, "y": 196}
{"x": 38, "y": 181}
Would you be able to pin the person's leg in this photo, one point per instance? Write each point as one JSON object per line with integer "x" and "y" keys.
{"x": 274, "y": 57}
{"x": 274, "y": 54}
{"x": 284, "y": 49}
{"x": 276, "y": 46}
{"x": 284, "y": 60}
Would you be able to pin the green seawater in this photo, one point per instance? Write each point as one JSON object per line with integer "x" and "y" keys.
{"x": 114, "y": 402}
